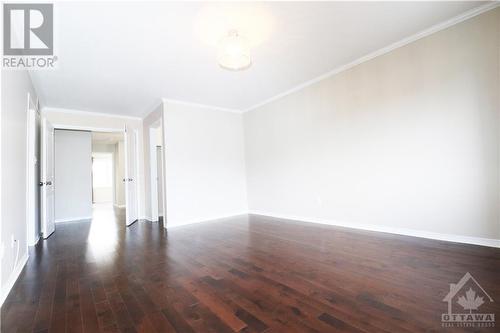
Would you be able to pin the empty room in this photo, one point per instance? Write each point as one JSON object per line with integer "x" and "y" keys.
{"x": 253, "y": 167}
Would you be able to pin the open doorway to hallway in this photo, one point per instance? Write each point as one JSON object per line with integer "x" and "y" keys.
{"x": 89, "y": 171}
{"x": 87, "y": 168}
{"x": 103, "y": 189}
{"x": 108, "y": 170}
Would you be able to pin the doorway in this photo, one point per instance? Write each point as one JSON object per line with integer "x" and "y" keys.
{"x": 103, "y": 189}
{"x": 157, "y": 172}
{"x": 159, "y": 181}
{"x": 92, "y": 167}
{"x": 108, "y": 173}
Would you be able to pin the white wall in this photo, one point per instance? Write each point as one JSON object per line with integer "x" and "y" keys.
{"x": 15, "y": 87}
{"x": 103, "y": 123}
{"x": 73, "y": 175}
{"x": 205, "y": 164}
{"x": 204, "y": 167}
{"x": 407, "y": 140}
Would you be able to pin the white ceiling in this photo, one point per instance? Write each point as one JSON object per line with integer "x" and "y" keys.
{"x": 122, "y": 57}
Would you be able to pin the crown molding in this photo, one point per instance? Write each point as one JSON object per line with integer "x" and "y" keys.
{"x": 424, "y": 33}
{"x": 211, "y": 107}
{"x": 408, "y": 40}
{"x": 89, "y": 113}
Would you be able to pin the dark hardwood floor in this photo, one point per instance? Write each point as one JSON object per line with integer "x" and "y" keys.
{"x": 244, "y": 274}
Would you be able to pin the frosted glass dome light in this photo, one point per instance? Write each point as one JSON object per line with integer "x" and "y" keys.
{"x": 234, "y": 53}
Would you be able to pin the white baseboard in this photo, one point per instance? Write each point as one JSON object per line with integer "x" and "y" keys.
{"x": 149, "y": 218}
{"x": 13, "y": 278}
{"x": 171, "y": 225}
{"x": 392, "y": 230}
{"x": 35, "y": 241}
{"x": 74, "y": 219}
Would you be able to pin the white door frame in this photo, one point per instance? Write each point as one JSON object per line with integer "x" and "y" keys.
{"x": 163, "y": 120}
{"x": 102, "y": 129}
{"x": 160, "y": 176}
{"x": 153, "y": 171}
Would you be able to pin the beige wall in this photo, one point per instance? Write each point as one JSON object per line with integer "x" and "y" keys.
{"x": 407, "y": 140}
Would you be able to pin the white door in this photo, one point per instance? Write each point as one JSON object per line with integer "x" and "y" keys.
{"x": 131, "y": 176}
{"x": 47, "y": 178}
{"x": 34, "y": 175}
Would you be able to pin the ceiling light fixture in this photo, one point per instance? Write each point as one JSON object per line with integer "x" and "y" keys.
{"x": 234, "y": 53}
